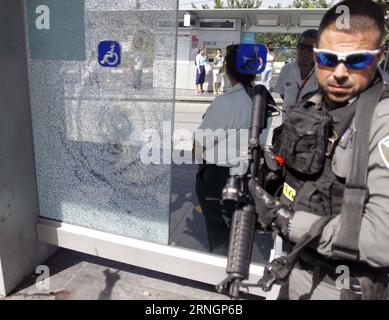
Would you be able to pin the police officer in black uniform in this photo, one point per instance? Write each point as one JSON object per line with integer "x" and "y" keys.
{"x": 334, "y": 208}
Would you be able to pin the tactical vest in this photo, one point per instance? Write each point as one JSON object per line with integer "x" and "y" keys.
{"x": 307, "y": 135}
{"x": 310, "y": 184}
{"x": 306, "y": 145}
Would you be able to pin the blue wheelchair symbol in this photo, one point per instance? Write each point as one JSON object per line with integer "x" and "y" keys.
{"x": 109, "y": 54}
{"x": 252, "y": 58}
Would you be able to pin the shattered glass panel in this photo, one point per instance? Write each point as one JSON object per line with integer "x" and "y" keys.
{"x": 88, "y": 122}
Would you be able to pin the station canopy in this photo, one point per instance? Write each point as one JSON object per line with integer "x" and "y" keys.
{"x": 284, "y": 20}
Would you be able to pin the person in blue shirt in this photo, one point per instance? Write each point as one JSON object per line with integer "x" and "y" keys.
{"x": 201, "y": 60}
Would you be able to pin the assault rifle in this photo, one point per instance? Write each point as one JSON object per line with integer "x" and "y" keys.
{"x": 240, "y": 188}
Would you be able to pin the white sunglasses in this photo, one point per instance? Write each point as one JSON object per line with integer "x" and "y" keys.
{"x": 354, "y": 60}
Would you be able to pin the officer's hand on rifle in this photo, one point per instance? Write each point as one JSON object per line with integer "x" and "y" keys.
{"x": 270, "y": 211}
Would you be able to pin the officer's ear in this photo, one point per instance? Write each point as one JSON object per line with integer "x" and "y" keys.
{"x": 383, "y": 48}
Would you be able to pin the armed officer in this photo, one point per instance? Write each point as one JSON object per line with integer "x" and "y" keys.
{"x": 334, "y": 208}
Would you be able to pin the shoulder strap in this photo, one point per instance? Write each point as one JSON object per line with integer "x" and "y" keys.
{"x": 340, "y": 129}
{"x": 346, "y": 244}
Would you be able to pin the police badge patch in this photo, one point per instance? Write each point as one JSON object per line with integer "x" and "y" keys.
{"x": 384, "y": 150}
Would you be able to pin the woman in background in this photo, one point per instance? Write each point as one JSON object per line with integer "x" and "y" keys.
{"x": 218, "y": 65}
{"x": 201, "y": 60}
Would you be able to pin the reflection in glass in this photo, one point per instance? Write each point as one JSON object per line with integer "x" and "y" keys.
{"x": 187, "y": 224}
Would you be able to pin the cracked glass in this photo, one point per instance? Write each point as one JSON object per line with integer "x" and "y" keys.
{"x": 89, "y": 120}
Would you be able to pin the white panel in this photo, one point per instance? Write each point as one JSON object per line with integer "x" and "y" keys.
{"x": 310, "y": 20}
{"x": 267, "y": 19}
{"x": 171, "y": 260}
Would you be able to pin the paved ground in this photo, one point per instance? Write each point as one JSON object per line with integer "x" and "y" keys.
{"x": 77, "y": 276}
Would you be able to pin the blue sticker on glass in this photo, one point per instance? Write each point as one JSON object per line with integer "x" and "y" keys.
{"x": 252, "y": 58}
{"x": 109, "y": 54}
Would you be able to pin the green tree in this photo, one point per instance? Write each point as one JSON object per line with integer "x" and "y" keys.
{"x": 277, "y": 6}
{"x": 219, "y": 4}
{"x": 240, "y": 4}
{"x": 203, "y": 6}
{"x": 307, "y": 4}
{"x": 287, "y": 40}
{"x": 311, "y": 4}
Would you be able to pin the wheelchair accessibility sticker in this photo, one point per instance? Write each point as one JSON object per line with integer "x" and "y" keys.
{"x": 109, "y": 54}
{"x": 251, "y": 58}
